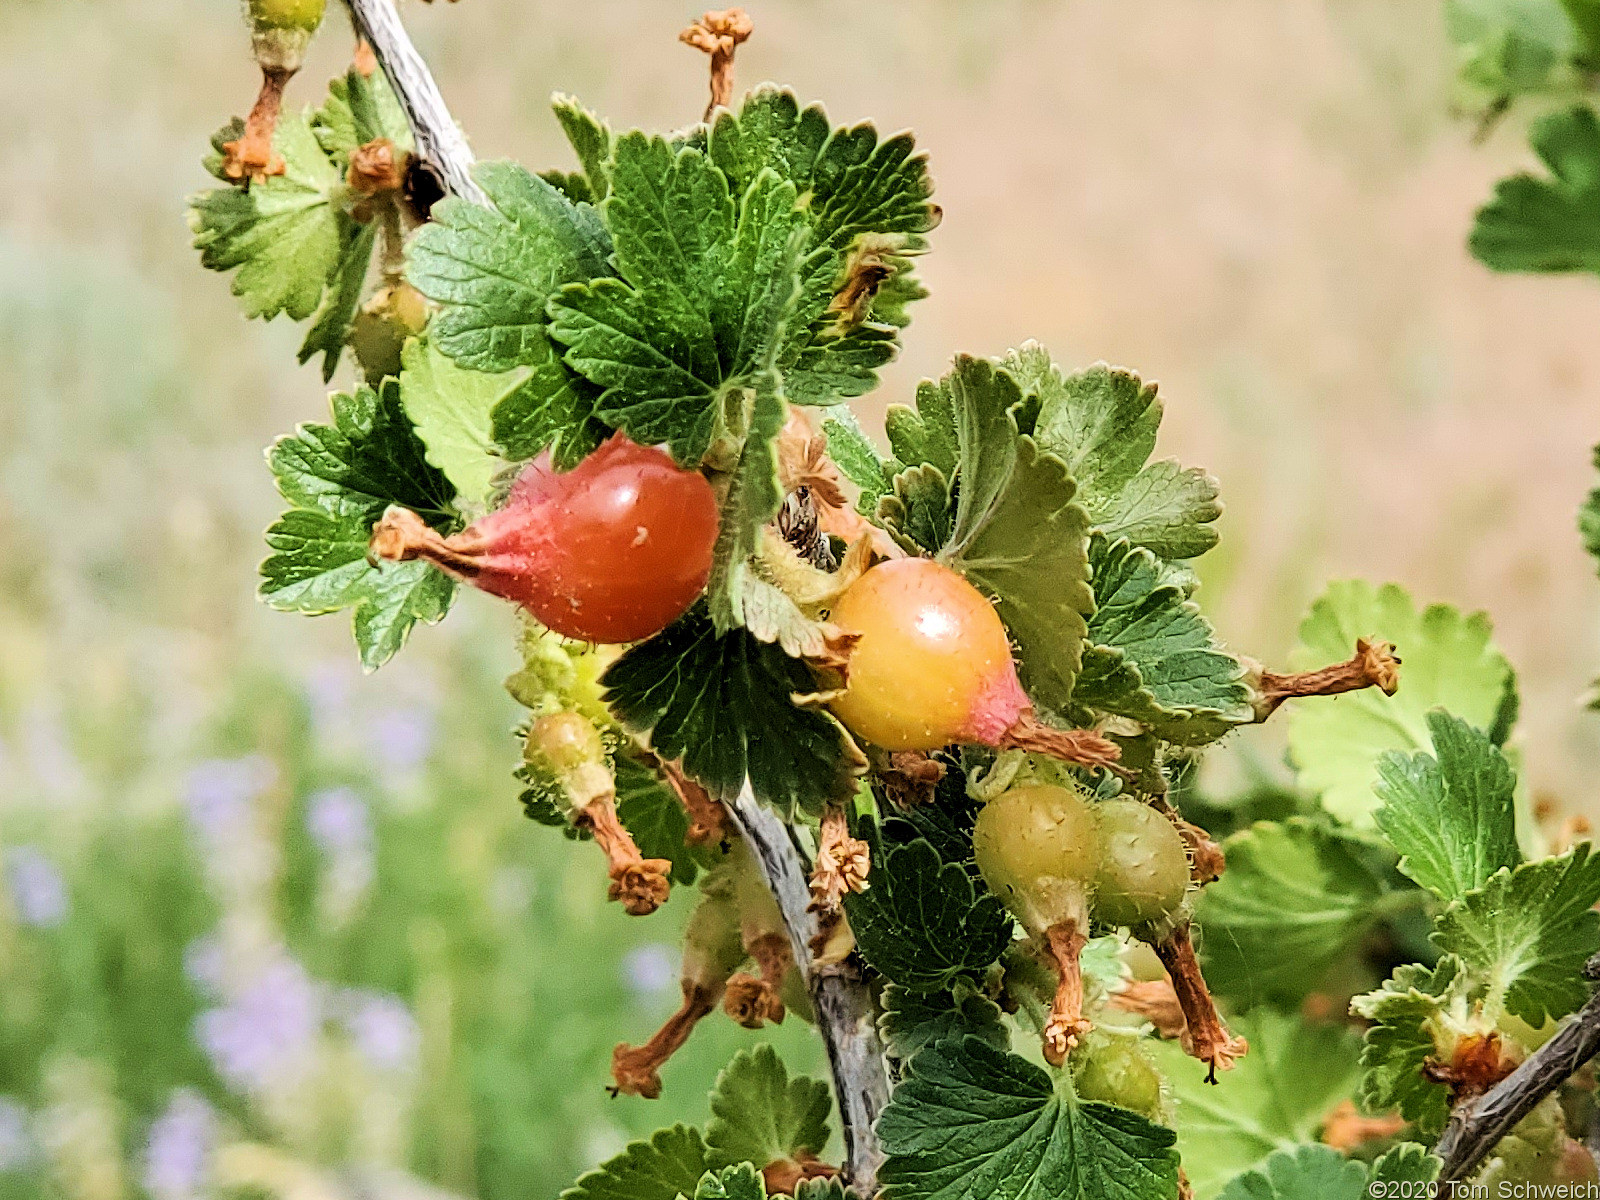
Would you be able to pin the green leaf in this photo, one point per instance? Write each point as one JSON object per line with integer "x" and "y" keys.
{"x": 667, "y": 1166}
{"x": 1296, "y": 897}
{"x": 753, "y": 498}
{"x": 331, "y": 330}
{"x": 492, "y": 268}
{"x": 860, "y": 196}
{"x": 1276, "y": 1098}
{"x": 1018, "y": 535}
{"x": 451, "y": 408}
{"x": 740, "y": 1182}
{"x": 1410, "y": 1015}
{"x": 1311, "y": 1172}
{"x": 970, "y": 1120}
{"x": 1102, "y": 423}
{"x": 1152, "y": 656}
{"x": 1449, "y": 661}
{"x": 591, "y": 141}
{"x": 655, "y": 817}
{"x": 284, "y": 235}
{"x": 722, "y": 705}
{"x": 1528, "y": 932}
{"x": 759, "y": 1115}
{"x": 707, "y": 285}
{"x": 855, "y": 455}
{"x": 1507, "y": 48}
{"x": 1407, "y": 1163}
{"x": 1452, "y": 818}
{"x": 359, "y": 109}
{"x": 319, "y": 565}
{"x": 921, "y": 922}
{"x": 913, "y": 1020}
{"x": 927, "y": 433}
{"x": 920, "y": 509}
{"x": 552, "y": 410}
{"x": 340, "y": 478}
{"x": 1549, "y": 224}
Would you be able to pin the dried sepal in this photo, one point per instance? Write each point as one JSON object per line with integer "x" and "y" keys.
{"x": 1374, "y": 664}
{"x": 1347, "y": 1128}
{"x": 911, "y": 778}
{"x": 719, "y": 34}
{"x": 708, "y": 819}
{"x": 754, "y": 1001}
{"x": 640, "y": 884}
{"x": 1156, "y": 1002}
{"x": 1076, "y": 747}
{"x": 843, "y": 863}
{"x": 635, "y": 1070}
{"x": 784, "y": 1175}
{"x": 1065, "y": 1025}
{"x": 250, "y": 157}
{"x": 1205, "y": 1036}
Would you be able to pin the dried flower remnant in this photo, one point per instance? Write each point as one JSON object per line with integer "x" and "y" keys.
{"x": 640, "y": 883}
{"x": 784, "y": 1175}
{"x": 1374, "y": 664}
{"x": 1066, "y": 1024}
{"x": 911, "y": 778}
{"x": 719, "y": 34}
{"x": 708, "y": 820}
{"x": 843, "y": 863}
{"x": 752, "y": 1001}
{"x": 280, "y": 31}
{"x": 376, "y": 168}
{"x": 1205, "y": 1036}
{"x": 1348, "y": 1129}
{"x": 1478, "y": 1062}
{"x": 1156, "y": 1002}
{"x": 250, "y": 157}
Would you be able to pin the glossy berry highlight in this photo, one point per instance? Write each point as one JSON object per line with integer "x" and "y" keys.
{"x": 612, "y": 551}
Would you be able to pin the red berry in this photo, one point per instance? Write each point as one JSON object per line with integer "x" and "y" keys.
{"x": 613, "y": 550}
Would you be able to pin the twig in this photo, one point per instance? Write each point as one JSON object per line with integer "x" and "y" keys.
{"x": 1476, "y": 1126}
{"x": 440, "y": 142}
{"x": 844, "y": 1008}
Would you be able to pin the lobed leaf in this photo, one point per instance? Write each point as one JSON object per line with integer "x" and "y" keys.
{"x": 1307, "y": 1172}
{"x": 759, "y": 1115}
{"x": 1151, "y": 656}
{"x": 922, "y": 923}
{"x": 1277, "y": 1096}
{"x": 1452, "y": 818}
{"x": 492, "y": 268}
{"x": 1528, "y": 932}
{"x": 1553, "y": 223}
{"x": 970, "y": 1120}
{"x": 1336, "y": 741}
{"x": 451, "y": 409}
{"x": 1295, "y": 899}
{"x": 667, "y": 1166}
{"x": 913, "y": 1020}
{"x": 1407, "y": 1014}
{"x": 722, "y": 704}
{"x": 738, "y": 1182}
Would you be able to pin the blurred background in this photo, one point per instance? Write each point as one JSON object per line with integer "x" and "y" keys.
{"x": 267, "y": 923}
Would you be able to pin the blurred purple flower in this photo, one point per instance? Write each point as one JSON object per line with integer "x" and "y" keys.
{"x": 38, "y": 892}
{"x": 382, "y": 1028}
{"x": 17, "y": 1149}
{"x": 402, "y": 737}
{"x": 177, "y": 1157}
{"x": 265, "y": 1028}
{"x": 339, "y": 822}
{"x": 650, "y": 969}
{"x": 219, "y": 794}
{"x": 204, "y": 964}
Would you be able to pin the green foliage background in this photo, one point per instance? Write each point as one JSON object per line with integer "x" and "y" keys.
{"x": 1284, "y": 253}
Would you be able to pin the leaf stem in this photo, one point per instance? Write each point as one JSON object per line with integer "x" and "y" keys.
{"x": 846, "y": 1014}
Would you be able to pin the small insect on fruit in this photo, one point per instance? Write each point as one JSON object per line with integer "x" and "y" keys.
{"x": 932, "y": 666}
{"x": 611, "y": 551}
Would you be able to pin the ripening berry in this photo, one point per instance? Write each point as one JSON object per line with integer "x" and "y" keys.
{"x": 1038, "y": 848}
{"x": 612, "y": 551}
{"x": 1144, "y": 871}
{"x": 280, "y": 31}
{"x": 1114, "y": 1068}
{"x": 566, "y": 741}
{"x": 303, "y": 15}
{"x": 932, "y": 666}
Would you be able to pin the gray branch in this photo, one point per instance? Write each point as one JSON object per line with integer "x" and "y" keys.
{"x": 440, "y": 142}
{"x": 846, "y": 1015}
{"x": 1476, "y": 1125}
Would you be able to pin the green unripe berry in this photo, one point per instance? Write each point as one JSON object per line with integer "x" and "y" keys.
{"x": 280, "y": 31}
{"x": 1144, "y": 873}
{"x": 565, "y": 740}
{"x": 382, "y": 327}
{"x": 1038, "y": 847}
{"x": 1114, "y": 1068}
